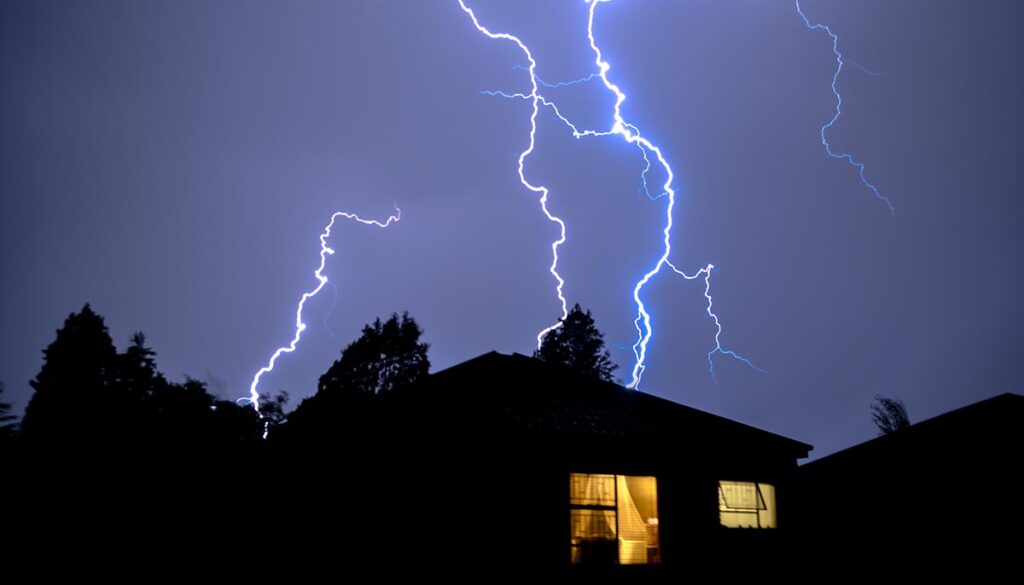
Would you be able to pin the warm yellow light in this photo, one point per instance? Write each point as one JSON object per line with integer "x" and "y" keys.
{"x": 591, "y": 489}
{"x": 744, "y": 504}
{"x": 614, "y": 518}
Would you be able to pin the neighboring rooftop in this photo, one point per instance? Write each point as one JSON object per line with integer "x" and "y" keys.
{"x": 990, "y": 421}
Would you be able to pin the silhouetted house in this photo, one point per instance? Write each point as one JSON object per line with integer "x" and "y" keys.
{"x": 940, "y": 493}
{"x": 505, "y": 463}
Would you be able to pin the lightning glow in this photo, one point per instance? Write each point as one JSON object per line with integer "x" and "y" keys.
{"x": 839, "y": 103}
{"x": 300, "y": 326}
{"x": 535, "y": 100}
{"x": 630, "y": 133}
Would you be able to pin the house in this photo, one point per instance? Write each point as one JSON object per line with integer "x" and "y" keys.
{"x": 507, "y": 463}
{"x": 939, "y": 494}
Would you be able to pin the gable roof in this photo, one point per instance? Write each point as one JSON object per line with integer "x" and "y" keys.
{"x": 525, "y": 395}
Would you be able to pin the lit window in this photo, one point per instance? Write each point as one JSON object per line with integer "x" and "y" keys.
{"x": 613, "y": 519}
{"x": 744, "y": 504}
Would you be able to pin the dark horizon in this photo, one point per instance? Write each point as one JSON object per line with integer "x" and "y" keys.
{"x": 173, "y": 166}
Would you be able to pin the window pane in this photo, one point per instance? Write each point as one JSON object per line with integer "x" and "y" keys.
{"x": 743, "y": 504}
{"x": 593, "y": 537}
{"x": 592, "y": 525}
{"x": 768, "y": 514}
{"x": 588, "y": 489}
{"x": 638, "y": 520}
{"x": 740, "y": 495}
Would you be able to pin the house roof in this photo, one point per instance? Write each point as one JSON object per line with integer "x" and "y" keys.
{"x": 526, "y": 395}
{"x": 984, "y": 425}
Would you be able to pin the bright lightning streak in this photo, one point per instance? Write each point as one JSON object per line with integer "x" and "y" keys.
{"x": 632, "y": 135}
{"x": 536, "y": 102}
{"x": 576, "y": 132}
{"x": 300, "y": 326}
{"x": 839, "y": 103}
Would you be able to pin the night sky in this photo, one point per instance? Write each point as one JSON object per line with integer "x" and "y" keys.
{"x": 172, "y": 163}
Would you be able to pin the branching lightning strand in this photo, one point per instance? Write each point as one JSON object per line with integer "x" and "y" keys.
{"x": 536, "y": 101}
{"x": 631, "y": 135}
{"x": 300, "y": 326}
{"x": 839, "y": 103}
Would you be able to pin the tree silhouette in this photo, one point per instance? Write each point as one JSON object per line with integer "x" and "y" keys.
{"x": 272, "y": 409}
{"x": 178, "y": 415}
{"x": 86, "y": 393}
{"x": 7, "y": 425}
{"x": 73, "y": 390}
{"x": 889, "y": 414}
{"x": 388, "y": 355}
{"x": 136, "y": 370}
{"x": 578, "y": 345}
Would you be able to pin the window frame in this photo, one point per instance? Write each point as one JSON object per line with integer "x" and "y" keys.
{"x": 614, "y": 508}
{"x": 765, "y": 514}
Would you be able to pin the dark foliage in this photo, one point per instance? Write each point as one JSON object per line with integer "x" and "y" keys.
{"x": 74, "y": 391}
{"x": 386, "y": 357}
{"x": 87, "y": 394}
{"x": 272, "y": 409}
{"x": 889, "y": 414}
{"x": 108, "y": 442}
{"x": 578, "y": 345}
{"x": 7, "y": 419}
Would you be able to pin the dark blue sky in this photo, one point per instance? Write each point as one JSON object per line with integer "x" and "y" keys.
{"x": 174, "y": 163}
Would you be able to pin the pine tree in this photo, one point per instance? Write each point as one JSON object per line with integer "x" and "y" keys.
{"x": 578, "y": 345}
{"x": 136, "y": 371}
{"x": 73, "y": 389}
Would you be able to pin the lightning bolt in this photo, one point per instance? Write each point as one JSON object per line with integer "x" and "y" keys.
{"x": 536, "y": 101}
{"x": 632, "y": 135}
{"x": 300, "y": 326}
{"x": 706, "y": 271}
{"x": 628, "y": 132}
{"x": 839, "y": 104}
